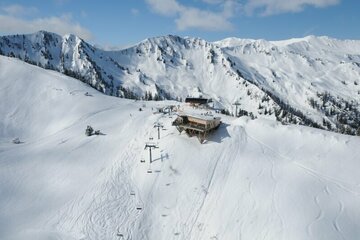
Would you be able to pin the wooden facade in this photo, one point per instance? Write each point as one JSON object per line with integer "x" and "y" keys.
{"x": 194, "y": 125}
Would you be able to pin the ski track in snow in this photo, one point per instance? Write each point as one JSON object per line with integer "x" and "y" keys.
{"x": 336, "y": 220}
{"x": 221, "y": 178}
{"x": 327, "y": 179}
{"x": 44, "y": 139}
{"x": 113, "y": 205}
{"x": 173, "y": 205}
{"x": 118, "y": 210}
{"x": 76, "y": 122}
{"x": 269, "y": 156}
{"x": 274, "y": 189}
{"x": 319, "y": 216}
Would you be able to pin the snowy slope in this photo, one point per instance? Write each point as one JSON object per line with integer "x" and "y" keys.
{"x": 167, "y": 67}
{"x": 254, "y": 179}
{"x": 315, "y": 75}
{"x": 312, "y": 81}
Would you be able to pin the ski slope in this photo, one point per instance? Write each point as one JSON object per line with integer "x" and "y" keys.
{"x": 254, "y": 179}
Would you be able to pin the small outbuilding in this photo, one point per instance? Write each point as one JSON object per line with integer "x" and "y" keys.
{"x": 197, "y": 102}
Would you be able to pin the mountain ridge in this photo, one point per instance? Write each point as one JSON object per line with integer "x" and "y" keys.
{"x": 312, "y": 81}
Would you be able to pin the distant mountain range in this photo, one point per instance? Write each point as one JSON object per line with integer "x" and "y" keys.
{"x": 313, "y": 81}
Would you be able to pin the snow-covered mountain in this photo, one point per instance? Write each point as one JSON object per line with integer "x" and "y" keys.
{"x": 253, "y": 179}
{"x": 312, "y": 81}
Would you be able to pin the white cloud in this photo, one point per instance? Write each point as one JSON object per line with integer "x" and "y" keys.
{"x": 187, "y": 17}
{"x": 190, "y": 17}
{"x": 135, "y": 11}
{"x": 271, "y": 7}
{"x": 165, "y": 7}
{"x": 213, "y": 1}
{"x": 206, "y": 20}
{"x": 61, "y": 25}
{"x": 19, "y": 10}
{"x": 231, "y": 7}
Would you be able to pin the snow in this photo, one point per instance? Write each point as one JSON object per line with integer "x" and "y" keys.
{"x": 253, "y": 179}
{"x": 196, "y": 113}
{"x": 289, "y": 74}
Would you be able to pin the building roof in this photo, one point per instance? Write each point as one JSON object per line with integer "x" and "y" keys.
{"x": 198, "y": 100}
{"x": 199, "y": 116}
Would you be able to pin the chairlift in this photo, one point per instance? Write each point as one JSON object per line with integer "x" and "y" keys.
{"x": 150, "y": 146}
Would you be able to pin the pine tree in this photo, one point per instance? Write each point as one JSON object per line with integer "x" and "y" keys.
{"x": 89, "y": 131}
{"x": 348, "y": 131}
{"x": 358, "y": 132}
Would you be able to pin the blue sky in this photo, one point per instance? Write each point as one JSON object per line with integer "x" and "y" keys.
{"x": 122, "y": 23}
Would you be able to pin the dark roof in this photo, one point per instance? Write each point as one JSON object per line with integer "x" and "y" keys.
{"x": 198, "y": 100}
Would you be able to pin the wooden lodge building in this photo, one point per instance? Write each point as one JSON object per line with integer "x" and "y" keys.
{"x": 197, "y": 125}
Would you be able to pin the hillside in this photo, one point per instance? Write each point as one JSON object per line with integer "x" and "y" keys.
{"x": 253, "y": 179}
{"x": 312, "y": 81}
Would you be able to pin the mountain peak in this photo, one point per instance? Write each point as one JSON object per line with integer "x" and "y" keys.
{"x": 72, "y": 37}
{"x": 311, "y": 80}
